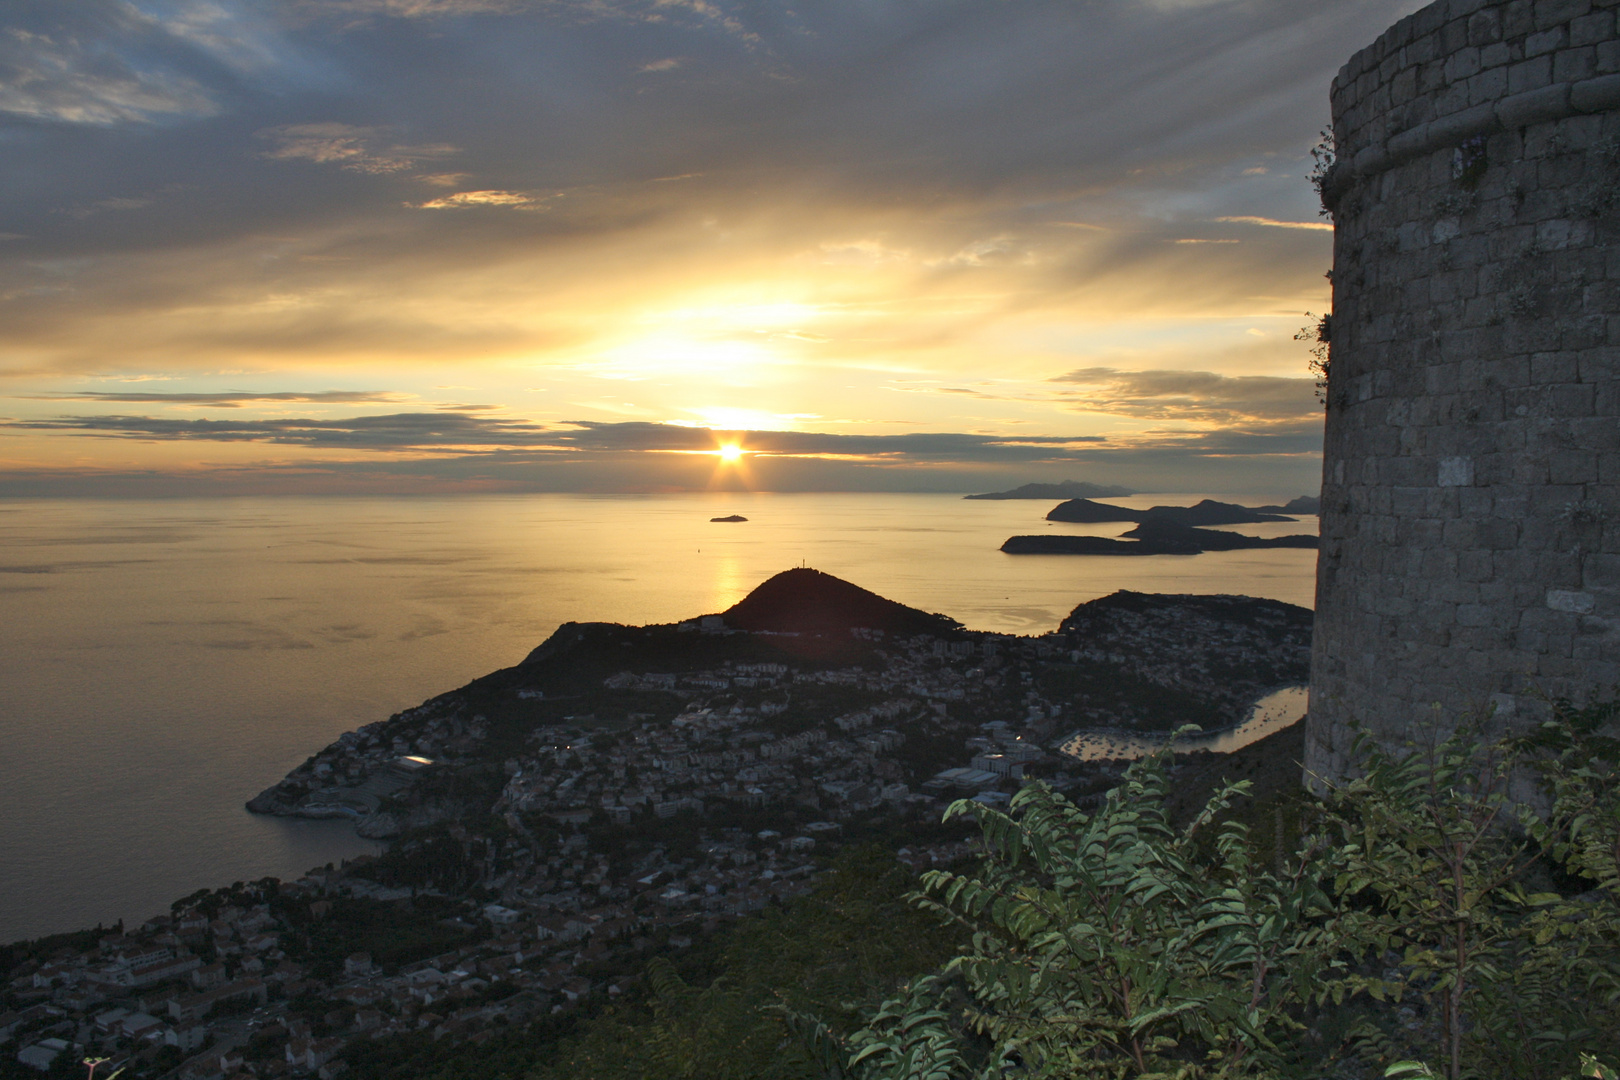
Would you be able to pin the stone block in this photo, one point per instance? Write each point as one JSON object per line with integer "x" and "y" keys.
{"x": 1573, "y": 467}
{"x": 1485, "y": 27}
{"x": 1570, "y": 399}
{"x": 1595, "y": 434}
{"x": 1475, "y": 566}
{"x": 1580, "y": 603}
{"x": 1592, "y": 28}
{"x": 1498, "y": 534}
{"x": 1464, "y": 63}
{"x": 1553, "y": 367}
{"x": 1534, "y": 73}
{"x": 1546, "y": 41}
{"x": 1601, "y": 572}
{"x": 1547, "y": 14}
{"x": 1572, "y": 65}
{"x": 1455, "y": 471}
{"x": 1499, "y": 54}
{"x": 1518, "y": 20}
{"x": 1581, "y": 333}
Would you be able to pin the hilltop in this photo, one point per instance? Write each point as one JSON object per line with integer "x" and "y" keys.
{"x": 805, "y": 601}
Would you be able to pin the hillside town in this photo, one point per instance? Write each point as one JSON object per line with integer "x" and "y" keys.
{"x": 553, "y": 826}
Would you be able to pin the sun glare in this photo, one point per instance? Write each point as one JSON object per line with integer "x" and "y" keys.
{"x": 731, "y": 453}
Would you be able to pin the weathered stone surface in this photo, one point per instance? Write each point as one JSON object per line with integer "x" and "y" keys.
{"x": 1470, "y": 553}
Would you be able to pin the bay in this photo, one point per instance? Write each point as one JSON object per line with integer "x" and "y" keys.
{"x": 161, "y": 661}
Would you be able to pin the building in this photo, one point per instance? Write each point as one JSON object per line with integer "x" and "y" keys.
{"x": 1470, "y": 556}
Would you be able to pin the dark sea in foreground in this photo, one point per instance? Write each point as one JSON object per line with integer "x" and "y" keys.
{"x": 162, "y": 661}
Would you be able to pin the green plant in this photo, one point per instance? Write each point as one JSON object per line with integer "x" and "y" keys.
{"x": 1324, "y": 155}
{"x": 1320, "y": 336}
{"x": 1441, "y": 863}
{"x": 1103, "y": 947}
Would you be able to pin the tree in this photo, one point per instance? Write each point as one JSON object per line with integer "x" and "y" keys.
{"x": 1103, "y": 946}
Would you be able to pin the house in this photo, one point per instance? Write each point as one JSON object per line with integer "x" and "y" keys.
{"x": 189, "y": 1007}
{"x": 501, "y": 916}
{"x": 187, "y": 1037}
{"x": 43, "y": 1053}
{"x": 108, "y": 1022}
{"x": 210, "y": 975}
{"x": 322, "y": 1051}
{"x": 138, "y": 1025}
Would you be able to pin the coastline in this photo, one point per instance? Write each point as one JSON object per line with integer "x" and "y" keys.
{"x": 1150, "y": 741}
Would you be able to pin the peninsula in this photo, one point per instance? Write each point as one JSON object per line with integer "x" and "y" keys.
{"x": 557, "y": 829}
{"x": 1153, "y": 538}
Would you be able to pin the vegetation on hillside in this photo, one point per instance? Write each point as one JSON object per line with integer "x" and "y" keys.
{"x": 1426, "y": 916}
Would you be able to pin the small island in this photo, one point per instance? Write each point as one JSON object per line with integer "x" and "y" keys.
{"x": 730, "y": 517}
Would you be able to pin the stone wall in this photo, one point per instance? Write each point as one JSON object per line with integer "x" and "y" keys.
{"x": 1471, "y": 477}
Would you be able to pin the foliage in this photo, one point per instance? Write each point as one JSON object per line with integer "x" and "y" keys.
{"x": 1441, "y": 865}
{"x": 434, "y": 861}
{"x": 1319, "y": 335}
{"x": 1102, "y": 947}
{"x": 398, "y": 932}
{"x": 1324, "y": 155}
{"x": 1113, "y": 946}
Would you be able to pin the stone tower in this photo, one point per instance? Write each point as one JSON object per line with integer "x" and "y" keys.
{"x": 1471, "y": 473}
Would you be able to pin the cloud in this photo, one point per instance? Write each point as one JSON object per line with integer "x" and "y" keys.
{"x": 1319, "y": 226}
{"x": 1203, "y": 397}
{"x": 57, "y": 76}
{"x": 358, "y": 149}
{"x": 978, "y": 193}
{"x": 474, "y": 434}
{"x": 698, "y": 12}
{"x": 112, "y": 204}
{"x": 409, "y": 9}
{"x": 462, "y": 199}
{"x": 418, "y": 453}
{"x": 231, "y": 399}
{"x": 449, "y": 179}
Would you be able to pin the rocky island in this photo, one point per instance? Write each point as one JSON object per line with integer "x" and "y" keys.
{"x": 1206, "y": 512}
{"x": 1153, "y": 538}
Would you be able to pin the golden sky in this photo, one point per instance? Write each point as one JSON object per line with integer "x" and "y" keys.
{"x": 399, "y": 245}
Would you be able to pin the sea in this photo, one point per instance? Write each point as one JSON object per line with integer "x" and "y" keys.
{"x": 162, "y": 661}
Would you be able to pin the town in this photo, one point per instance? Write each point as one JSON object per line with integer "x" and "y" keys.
{"x": 623, "y": 793}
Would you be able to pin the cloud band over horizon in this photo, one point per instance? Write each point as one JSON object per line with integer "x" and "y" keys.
{"x": 1048, "y": 224}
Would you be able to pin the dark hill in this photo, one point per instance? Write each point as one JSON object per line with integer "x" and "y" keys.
{"x": 805, "y": 601}
{"x": 1087, "y": 512}
{"x": 1173, "y": 537}
{"x": 1168, "y": 611}
{"x": 1209, "y": 512}
{"x": 1304, "y": 504}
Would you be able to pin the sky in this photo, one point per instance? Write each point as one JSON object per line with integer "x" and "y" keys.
{"x": 395, "y": 246}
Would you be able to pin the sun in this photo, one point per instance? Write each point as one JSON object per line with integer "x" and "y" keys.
{"x": 730, "y": 453}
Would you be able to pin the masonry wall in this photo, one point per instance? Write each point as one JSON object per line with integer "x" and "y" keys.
{"x": 1471, "y": 483}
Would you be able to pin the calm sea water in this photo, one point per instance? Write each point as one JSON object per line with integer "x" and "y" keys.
{"x": 163, "y": 661}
